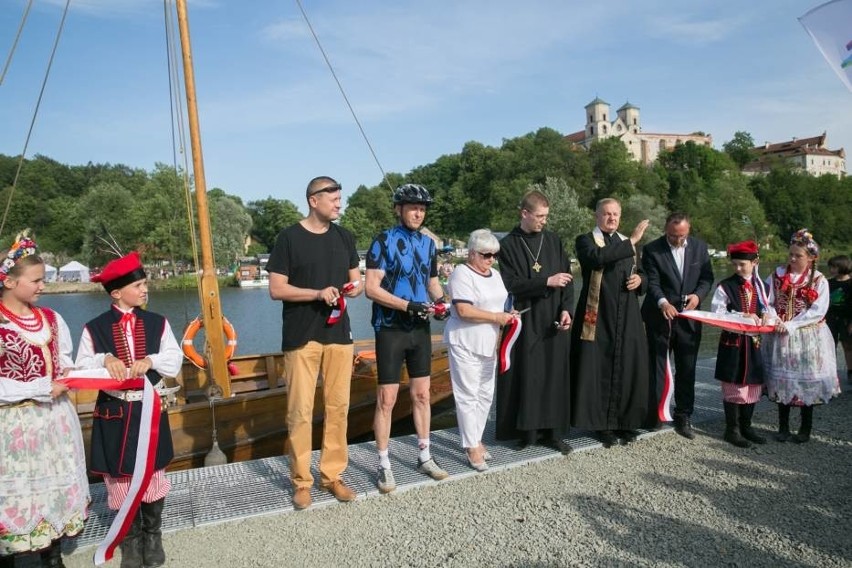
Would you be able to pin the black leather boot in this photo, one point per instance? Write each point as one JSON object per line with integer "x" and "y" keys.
{"x": 152, "y": 519}
{"x": 783, "y": 423}
{"x": 807, "y": 422}
{"x": 52, "y": 557}
{"x": 131, "y": 546}
{"x": 746, "y": 412}
{"x": 732, "y": 431}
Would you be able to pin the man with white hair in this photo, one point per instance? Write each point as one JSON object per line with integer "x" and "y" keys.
{"x": 610, "y": 359}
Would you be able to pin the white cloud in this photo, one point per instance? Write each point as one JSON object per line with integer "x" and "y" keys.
{"x": 694, "y": 30}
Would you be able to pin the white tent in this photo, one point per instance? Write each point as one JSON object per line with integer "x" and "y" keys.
{"x": 74, "y": 272}
{"x": 49, "y": 273}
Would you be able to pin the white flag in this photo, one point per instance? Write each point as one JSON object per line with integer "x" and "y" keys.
{"x": 830, "y": 26}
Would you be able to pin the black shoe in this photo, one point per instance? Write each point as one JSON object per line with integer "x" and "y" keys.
{"x": 782, "y": 436}
{"x": 558, "y": 445}
{"x": 626, "y": 436}
{"x": 131, "y": 546}
{"x": 153, "y": 554}
{"x": 608, "y": 438}
{"x": 684, "y": 428}
{"x": 528, "y": 438}
{"x": 752, "y": 436}
{"x": 732, "y": 436}
{"x": 52, "y": 557}
{"x": 805, "y": 428}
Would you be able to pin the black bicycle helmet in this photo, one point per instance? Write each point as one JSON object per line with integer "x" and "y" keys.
{"x": 412, "y": 193}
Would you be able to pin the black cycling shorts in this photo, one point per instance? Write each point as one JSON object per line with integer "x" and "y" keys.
{"x": 393, "y": 346}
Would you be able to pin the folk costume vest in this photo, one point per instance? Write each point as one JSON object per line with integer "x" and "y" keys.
{"x": 792, "y": 294}
{"x": 739, "y": 359}
{"x": 23, "y": 360}
{"x": 115, "y": 425}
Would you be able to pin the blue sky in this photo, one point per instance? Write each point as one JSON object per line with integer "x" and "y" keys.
{"x": 423, "y": 77}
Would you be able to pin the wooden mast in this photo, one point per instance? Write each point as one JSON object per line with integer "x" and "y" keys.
{"x": 211, "y": 305}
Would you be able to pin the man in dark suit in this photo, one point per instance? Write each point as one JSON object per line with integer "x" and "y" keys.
{"x": 679, "y": 275}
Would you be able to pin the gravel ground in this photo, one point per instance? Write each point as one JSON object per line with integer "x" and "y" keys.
{"x": 663, "y": 501}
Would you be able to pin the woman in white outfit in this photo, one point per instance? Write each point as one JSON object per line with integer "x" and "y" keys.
{"x": 472, "y": 334}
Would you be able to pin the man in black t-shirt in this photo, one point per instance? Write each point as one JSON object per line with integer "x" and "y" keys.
{"x": 313, "y": 266}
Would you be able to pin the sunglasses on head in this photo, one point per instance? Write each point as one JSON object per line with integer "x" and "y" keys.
{"x": 329, "y": 189}
{"x": 487, "y": 254}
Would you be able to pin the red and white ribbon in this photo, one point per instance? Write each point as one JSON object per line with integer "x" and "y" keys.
{"x": 509, "y": 339}
{"x": 736, "y": 323}
{"x": 664, "y": 412}
{"x": 146, "y": 450}
{"x": 340, "y": 306}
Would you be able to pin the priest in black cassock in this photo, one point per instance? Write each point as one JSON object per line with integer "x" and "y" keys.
{"x": 533, "y": 396}
{"x": 609, "y": 386}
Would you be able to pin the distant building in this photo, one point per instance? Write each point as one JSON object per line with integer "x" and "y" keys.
{"x": 807, "y": 154}
{"x": 642, "y": 146}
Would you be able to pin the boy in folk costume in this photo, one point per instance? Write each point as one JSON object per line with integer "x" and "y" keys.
{"x": 739, "y": 364}
{"x": 130, "y": 342}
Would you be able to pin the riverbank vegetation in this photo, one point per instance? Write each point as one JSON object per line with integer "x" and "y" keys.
{"x": 78, "y": 211}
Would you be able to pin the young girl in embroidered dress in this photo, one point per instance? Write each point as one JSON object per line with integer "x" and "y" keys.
{"x": 801, "y": 366}
{"x": 44, "y": 491}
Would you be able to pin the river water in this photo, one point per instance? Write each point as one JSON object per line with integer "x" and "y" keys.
{"x": 255, "y": 316}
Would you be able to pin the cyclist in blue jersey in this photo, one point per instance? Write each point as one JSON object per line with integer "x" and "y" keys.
{"x": 402, "y": 281}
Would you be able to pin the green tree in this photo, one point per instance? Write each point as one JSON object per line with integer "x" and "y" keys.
{"x": 230, "y": 224}
{"x": 614, "y": 172}
{"x": 109, "y": 217}
{"x": 568, "y": 218}
{"x": 269, "y": 216}
{"x": 162, "y": 211}
{"x": 639, "y": 207}
{"x": 728, "y": 212}
{"x": 739, "y": 148}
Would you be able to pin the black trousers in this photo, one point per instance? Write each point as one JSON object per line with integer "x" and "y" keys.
{"x": 684, "y": 341}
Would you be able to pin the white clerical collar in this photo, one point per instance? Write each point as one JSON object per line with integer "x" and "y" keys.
{"x": 598, "y": 233}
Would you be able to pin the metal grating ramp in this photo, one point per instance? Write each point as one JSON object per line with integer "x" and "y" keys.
{"x": 234, "y": 491}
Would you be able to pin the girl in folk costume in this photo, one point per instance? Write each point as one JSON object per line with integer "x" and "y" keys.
{"x": 44, "y": 492}
{"x": 739, "y": 364}
{"x": 130, "y": 342}
{"x": 801, "y": 367}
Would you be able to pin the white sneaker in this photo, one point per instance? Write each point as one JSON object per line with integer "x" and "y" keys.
{"x": 431, "y": 468}
{"x": 385, "y": 482}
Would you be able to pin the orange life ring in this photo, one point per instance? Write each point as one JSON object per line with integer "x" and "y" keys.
{"x": 367, "y": 356}
{"x": 188, "y": 345}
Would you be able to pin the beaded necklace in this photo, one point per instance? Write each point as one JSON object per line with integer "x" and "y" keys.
{"x": 32, "y": 324}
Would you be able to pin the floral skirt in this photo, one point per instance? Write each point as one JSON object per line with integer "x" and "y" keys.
{"x": 44, "y": 490}
{"x": 801, "y": 367}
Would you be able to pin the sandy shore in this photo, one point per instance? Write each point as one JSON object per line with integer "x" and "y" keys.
{"x": 663, "y": 501}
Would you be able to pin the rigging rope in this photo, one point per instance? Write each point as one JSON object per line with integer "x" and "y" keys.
{"x": 342, "y": 92}
{"x": 35, "y": 114}
{"x": 179, "y": 139}
{"x": 15, "y": 43}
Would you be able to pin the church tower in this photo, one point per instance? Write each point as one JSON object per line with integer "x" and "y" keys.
{"x": 629, "y": 115}
{"x": 597, "y": 120}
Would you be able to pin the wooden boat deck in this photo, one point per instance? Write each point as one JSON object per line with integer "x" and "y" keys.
{"x": 207, "y": 496}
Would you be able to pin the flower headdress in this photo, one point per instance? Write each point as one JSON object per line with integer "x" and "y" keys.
{"x": 803, "y": 238}
{"x": 22, "y": 247}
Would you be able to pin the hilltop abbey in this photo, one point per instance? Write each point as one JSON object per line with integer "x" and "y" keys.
{"x": 809, "y": 155}
{"x": 626, "y": 125}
